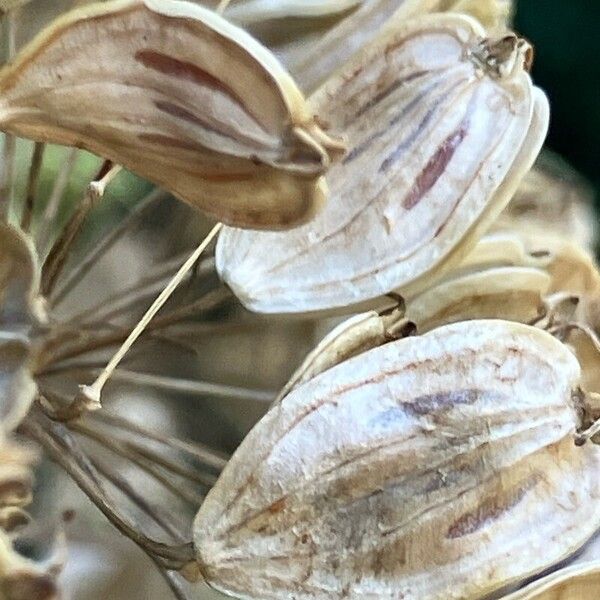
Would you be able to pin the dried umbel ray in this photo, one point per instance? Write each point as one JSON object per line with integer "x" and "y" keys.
{"x": 441, "y": 124}
{"x": 436, "y": 466}
{"x": 177, "y": 94}
{"x": 579, "y": 582}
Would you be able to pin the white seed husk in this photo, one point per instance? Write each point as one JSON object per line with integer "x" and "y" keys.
{"x": 434, "y": 467}
{"x": 409, "y": 200}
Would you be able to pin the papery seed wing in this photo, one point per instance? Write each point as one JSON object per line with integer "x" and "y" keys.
{"x": 449, "y": 453}
{"x": 350, "y": 338}
{"x": 324, "y": 56}
{"x": 436, "y": 147}
{"x": 576, "y": 582}
{"x": 510, "y": 293}
{"x": 177, "y": 94}
{"x": 252, "y": 11}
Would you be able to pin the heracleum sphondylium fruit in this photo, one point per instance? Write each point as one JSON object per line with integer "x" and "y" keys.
{"x": 440, "y": 124}
{"x": 576, "y": 582}
{"x": 362, "y": 25}
{"x": 434, "y": 467}
{"x": 177, "y": 94}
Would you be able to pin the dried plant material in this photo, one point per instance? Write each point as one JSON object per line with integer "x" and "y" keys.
{"x": 497, "y": 249}
{"x": 352, "y": 337}
{"x": 8, "y": 5}
{"x": 494, "y": 15}
{"x": 572, "y": 268}
{"x": 19, "y": 280}
{"x": 17, "y": 387}
{"x": 552, "y": 199}
{"x": 252, "y": 11}
{"x": 180, "y": 96}
{"x": 435, "y": 466}
{"x": 22, "y": 579}
{"x": 362, "y": 26}
{"x": 510, "y": 293}
{"x": 16, "y": 463}
{"x": 441, "y": 124}
{"x": 577, "y": 582}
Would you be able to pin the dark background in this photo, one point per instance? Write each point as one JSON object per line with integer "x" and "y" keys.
{"x": 566, "y": 36}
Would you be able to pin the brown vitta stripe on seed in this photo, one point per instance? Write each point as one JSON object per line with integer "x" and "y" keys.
{"x": 169, "y": 65}
{"x": 491, "y": 509}
{"x": 434, "y": 168}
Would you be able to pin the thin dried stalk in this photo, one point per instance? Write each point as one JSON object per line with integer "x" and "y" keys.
{"x": 123, "y": 450}
{"x": 205, "y": 456}
{"x": 34, "y": 175}
{"x": 202, "y": 453}
{"x": 92, "y": 393}
{"x": 57, "y": 257}
{"x": 64, "y": 450}
{"x": 85, "y": 341}
{"x": 187, "y": 386}
{"x": 133, "y": 447}
{"x": 80, "y": 268}
{"x": 61, "y": 181}
{"x": 162, "y": 520}
{"x": 8, "y": 176}
{"x": 143, "y": 289}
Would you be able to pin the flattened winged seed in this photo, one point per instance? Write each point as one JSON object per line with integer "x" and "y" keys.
{"x": 439, "y": 466}
{"x": 438, "y": 140}
{"x": 177, "y": 94}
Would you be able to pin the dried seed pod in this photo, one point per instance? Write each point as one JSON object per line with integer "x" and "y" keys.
{"x": 17, "y": 386}
{"x": 352, "y": 337}
{"x": 19, "y": 281}
{"x": 578, "y": 582}
{"x": 177, "y": 94}
{"x": 510, "y": 293}
{"x": 252, "y": 11}
{"x": 449, "y": 453}
{"x": 21, "y": 578}
{"x": 441, "y": 125}
{"x": 552, "y": 198}
{"x": 572, "y": 268}
{"x": 361, "y": 27}
{"x": 16, "y": 480}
